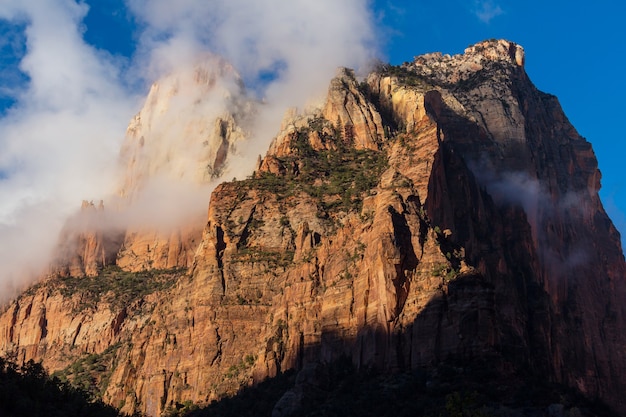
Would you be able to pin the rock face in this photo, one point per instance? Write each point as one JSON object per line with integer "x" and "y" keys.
{"x": 445, "y": 210}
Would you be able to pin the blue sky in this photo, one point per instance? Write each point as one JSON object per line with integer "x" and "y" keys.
{"x": 73, "y": 73}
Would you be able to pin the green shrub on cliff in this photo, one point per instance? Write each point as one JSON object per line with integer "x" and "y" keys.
{"x": 117, "y": 287}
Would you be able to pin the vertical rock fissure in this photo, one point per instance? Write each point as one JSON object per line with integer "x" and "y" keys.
{"x": 222, "y": 151}
{"x": 245, "y": 234}
{"x": 43, "y": 324}
{"x": 408, "y": 259}
{"x": 218, "y": 342}
{"x": 16, "y": 309}
{"x": 220, "y": 246}
{"x": 78, "y": 328}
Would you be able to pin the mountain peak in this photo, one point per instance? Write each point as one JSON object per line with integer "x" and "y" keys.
{"x": 439, "y": 214}
{"x": 188, "y": 122}
{"x": 460, "y": 71}
{"x": 488, "y": 50}
{"x": 497, "y": 50}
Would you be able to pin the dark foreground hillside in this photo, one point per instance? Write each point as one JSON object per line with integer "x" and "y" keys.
{"x": 28, "y": 391}
{"x": 474, "y": 390}
{"x": 333, "y": 390}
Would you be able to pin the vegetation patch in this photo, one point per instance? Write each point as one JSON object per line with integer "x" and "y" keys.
{"x": 117, "y": 287}
{"x": 272, "y": 258}
{"x": 336, "y": 178}
{"x": 91, "y": 373}
{"x": 404, "y": 75}
{"x": 243, "y": 366}
{"x": 445, "y": 271}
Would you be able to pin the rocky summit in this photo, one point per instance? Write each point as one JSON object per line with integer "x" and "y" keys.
{"x": 439, "y": 213}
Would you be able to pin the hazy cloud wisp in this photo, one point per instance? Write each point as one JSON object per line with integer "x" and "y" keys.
{"x": 542, "y": 208}
{"x": 487, "y": 10}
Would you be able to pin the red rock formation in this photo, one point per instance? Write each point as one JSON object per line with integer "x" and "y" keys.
{"x": 458, "y": 219}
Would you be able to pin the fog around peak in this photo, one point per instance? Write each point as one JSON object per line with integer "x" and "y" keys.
{"x": 60, "y": 141}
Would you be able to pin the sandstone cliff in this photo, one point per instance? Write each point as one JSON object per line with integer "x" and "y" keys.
{"x": 442, "y": 210}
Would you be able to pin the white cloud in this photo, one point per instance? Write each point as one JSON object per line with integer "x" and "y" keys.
{"x": 486, "y": 10}
{"x": 308, "y": 39}
{"x": 59, "y": 143}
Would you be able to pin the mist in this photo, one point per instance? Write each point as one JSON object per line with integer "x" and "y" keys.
{"x": 545, "y": 211}
{"x": 60, "y": 142}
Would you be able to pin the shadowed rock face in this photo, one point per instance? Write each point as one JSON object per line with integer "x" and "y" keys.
{"x": 444, "y": 210}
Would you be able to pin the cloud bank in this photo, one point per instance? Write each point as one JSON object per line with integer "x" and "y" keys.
{"x": 59, "y": 143}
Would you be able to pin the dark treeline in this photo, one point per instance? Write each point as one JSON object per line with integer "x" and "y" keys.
{"x": 29, "y": 391}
